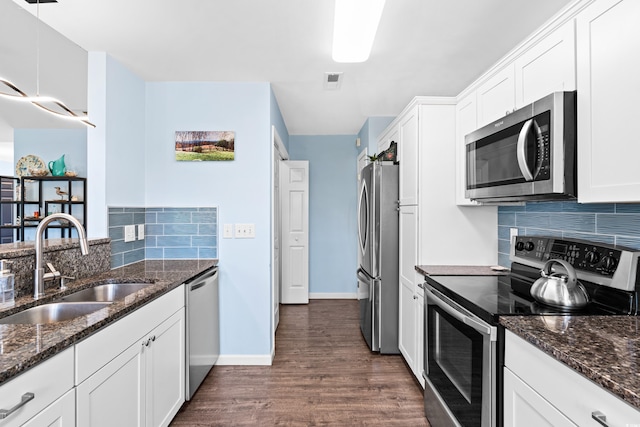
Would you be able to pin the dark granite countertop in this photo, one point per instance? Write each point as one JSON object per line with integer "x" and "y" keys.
{"x": 461, "y": 270}
{"x": 605, "y": 349}
{"x": 23, "y": 346}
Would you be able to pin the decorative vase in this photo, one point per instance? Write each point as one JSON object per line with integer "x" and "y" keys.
{"x": 57, "y": 167}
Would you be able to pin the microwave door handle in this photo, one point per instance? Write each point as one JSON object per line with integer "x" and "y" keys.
{"x": 521, "y": 149}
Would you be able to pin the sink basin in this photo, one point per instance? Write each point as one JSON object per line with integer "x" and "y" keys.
{"x": 108, "y": 292}
{"x": 54, "y": 312}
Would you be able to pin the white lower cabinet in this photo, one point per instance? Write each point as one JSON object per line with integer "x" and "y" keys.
{"x": 61, "y": 413}
{"x": 48, "y": 382}
{"x": 144, "y": 384}
{"x": 523, "y": 407}
{"x": 539, "y": 390}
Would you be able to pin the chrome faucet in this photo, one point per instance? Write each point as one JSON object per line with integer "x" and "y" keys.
{"x": 39, "y": 275}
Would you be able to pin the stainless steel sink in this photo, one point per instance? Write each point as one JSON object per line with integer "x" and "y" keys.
{"x": 53, "y": 312}
{"x": 109, "y": 292}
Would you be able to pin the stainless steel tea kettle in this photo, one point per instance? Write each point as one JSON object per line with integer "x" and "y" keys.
{"x": 559, "y": 289}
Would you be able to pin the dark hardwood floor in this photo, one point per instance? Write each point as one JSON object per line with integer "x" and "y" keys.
{"x": 323, "y": 374}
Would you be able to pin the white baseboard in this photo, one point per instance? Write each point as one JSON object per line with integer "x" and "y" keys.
{"x": 245, "y": 359}
{"x": 328, "y": 295}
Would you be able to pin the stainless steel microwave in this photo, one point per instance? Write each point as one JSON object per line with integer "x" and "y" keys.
{"x": 529, "y": 154}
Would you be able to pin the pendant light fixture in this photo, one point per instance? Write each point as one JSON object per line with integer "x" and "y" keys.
{"x": 49, "y": 104}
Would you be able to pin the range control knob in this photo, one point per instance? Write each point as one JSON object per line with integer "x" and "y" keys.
{"x": 519, "y": 246}
{"x": 608, "y": 263}
{"x": 529, "y": 246}
{"x": 592, "y": 257}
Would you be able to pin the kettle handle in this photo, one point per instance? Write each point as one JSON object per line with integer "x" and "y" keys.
{"x": 50, "y": 165}
{"x": 572, "y": 278}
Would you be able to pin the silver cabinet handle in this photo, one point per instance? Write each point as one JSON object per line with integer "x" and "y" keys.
{"x": 600, "y": 418}
{"x": 4, "y": 413}
{"x": 420, "y": 285}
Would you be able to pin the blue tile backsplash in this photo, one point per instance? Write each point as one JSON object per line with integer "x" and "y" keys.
{"x": 170, "y": 233}
{"x": 607, "y": 223}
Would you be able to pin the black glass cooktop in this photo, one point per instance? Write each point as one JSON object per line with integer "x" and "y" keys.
{"x": 489, "y": 297}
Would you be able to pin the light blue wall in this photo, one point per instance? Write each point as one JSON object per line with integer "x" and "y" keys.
{"x": 50, "y": 144}
{"x": 241, "y": 189}
{"x": 277, "y": 120}
{"x": 601, "y": 222}
{"x": 332, "y": 210}
{"x": 125, "y": 136}
{"x": 370, "y": 132}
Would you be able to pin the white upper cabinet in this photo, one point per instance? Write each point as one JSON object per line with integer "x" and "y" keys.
{"x": 391, "y": 135}
{"x": 496, "y": 96}
{"x": 548, "y": 66}
{"x": 608, "y": 42}
{"x": 408, "y": 158}
{"x": 466, "y": 122}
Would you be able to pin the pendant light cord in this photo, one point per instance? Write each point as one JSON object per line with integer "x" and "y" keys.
{"x": 37, "y": 47}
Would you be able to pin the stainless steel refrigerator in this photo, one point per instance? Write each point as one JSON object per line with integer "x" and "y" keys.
{"x": 378, "y": 256}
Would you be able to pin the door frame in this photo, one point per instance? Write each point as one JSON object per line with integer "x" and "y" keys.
{"x": 278, "y": 152}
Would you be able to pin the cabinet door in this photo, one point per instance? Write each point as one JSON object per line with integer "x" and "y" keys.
{"x": 115, "y": 395}
{"x": 496, "y": 96}
{"x": 408, "y": 224}
{"x": 523, "y": 407}
{"x": 607, "y": 40}
{"x": 165, "y": 371}
{"x": 384, "y": 142}
{"x": 466, "y": 122}
{"x": 547, "y": 67}
{"x": 61, "y": 413}
{"x": 408, "y": 157}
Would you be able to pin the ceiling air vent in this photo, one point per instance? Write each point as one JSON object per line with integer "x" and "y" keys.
{"x": 332, "y": 81}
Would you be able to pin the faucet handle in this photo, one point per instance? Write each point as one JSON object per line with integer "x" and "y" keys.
{"x": 55, "y": 272}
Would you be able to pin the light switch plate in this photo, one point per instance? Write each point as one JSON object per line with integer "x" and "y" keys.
{"x": 245, "y": 231}
{"x": 227, "y": 231}
{"x": 129, "y": 233}
{"x": 140, "y": 231}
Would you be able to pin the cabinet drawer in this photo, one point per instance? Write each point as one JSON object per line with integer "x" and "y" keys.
{"x": 102, "y": 347}
{"x": 571, "y": 393}
{"x": 47, "y": 381}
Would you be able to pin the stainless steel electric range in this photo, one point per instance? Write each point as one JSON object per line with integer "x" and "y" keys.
{"x": 464, "y": 346}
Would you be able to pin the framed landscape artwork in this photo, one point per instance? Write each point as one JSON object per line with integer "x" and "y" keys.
{"x": 197, "y": 146}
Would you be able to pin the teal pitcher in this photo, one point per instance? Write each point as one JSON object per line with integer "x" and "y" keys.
{"x": 57, "y": 167}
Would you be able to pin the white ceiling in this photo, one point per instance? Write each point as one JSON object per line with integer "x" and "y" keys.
{"x": 423, "y": 47}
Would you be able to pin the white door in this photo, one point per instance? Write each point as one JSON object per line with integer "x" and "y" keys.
{"x": 294, "y": 191}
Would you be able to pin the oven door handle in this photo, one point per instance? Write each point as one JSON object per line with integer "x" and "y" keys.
{"x": 478, "y": 326}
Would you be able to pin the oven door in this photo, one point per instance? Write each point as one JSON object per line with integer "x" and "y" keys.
{"x": 460, "y": 351}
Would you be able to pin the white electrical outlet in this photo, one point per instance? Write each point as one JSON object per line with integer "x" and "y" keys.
{"x": 140, "y": 231}
{"x": 513, "y": 232}
{"x": 245, "y": 231}
{"x": 227, "y": 231}
{"x": 129, "y": 233}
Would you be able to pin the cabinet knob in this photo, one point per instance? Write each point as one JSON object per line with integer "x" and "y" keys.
{"x": 415, "y": 297}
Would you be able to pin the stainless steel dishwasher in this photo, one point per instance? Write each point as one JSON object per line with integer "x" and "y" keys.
{"x": 203, "y": 328}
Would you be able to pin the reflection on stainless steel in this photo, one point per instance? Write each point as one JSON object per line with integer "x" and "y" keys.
{"x": 54, "y": 312}
{"x": 557, "y": 324}
{"x": 107, "y": 292}
{"x": 202, "y": 329}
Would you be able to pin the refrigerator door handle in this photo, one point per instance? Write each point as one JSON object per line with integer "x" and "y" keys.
{"x": 363, "y": 275}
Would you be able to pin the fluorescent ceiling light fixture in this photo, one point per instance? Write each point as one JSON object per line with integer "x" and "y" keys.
{"x": 354, "y": 28}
